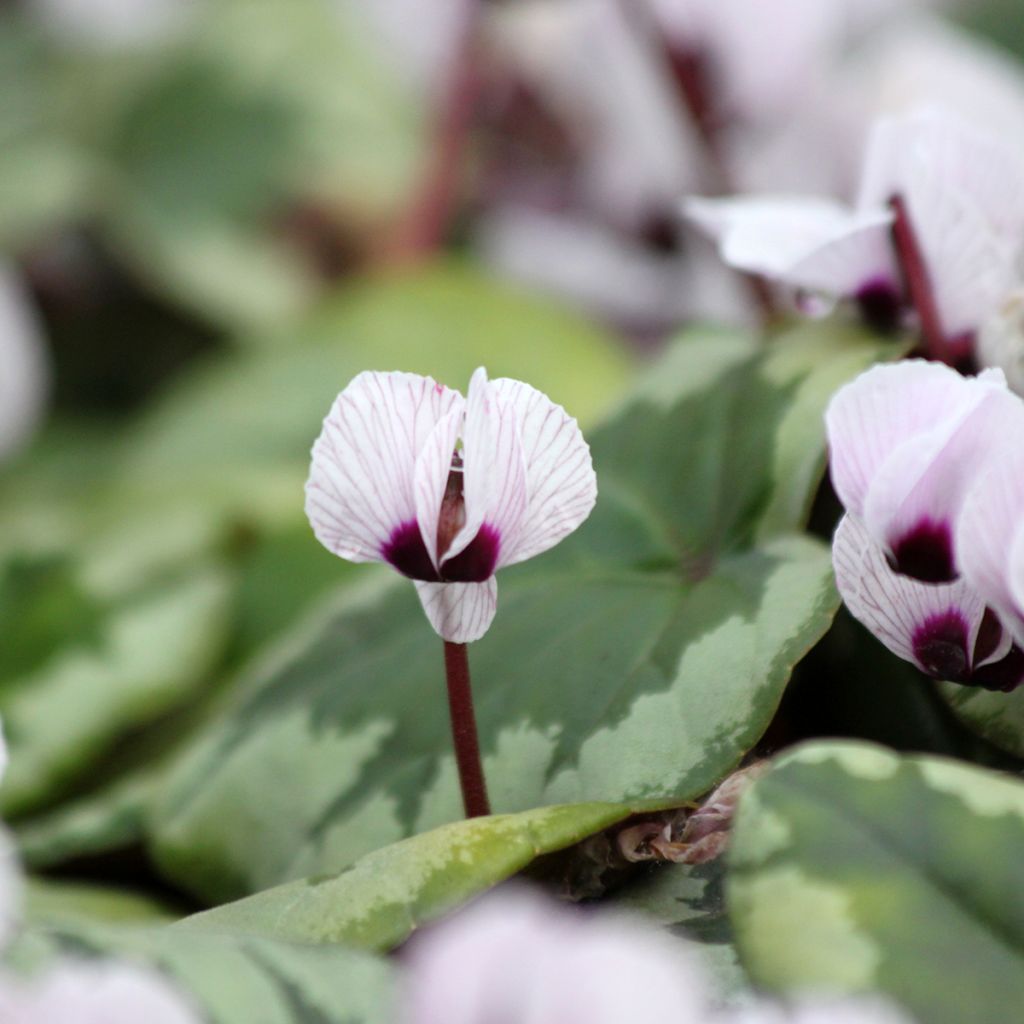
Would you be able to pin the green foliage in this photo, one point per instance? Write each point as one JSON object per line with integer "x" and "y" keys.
{"x": 386, "y": 895}
{"x": 636, "y": 664}
{"x": 858, "y": 870}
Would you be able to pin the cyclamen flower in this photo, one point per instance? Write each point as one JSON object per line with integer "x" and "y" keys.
{"x": 518, "y": 958}
{"x": 447, "y": 490}
{"x": 907, "y": 442}
{"x": 946, "y": 630}
{"x": 936, "y": 228}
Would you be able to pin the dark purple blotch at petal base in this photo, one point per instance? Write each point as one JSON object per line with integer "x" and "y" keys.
{"x": 406, "y": 551}
{"x": 1003, "y": 675}
{"x": 940, "y": 646}
{"x": 881, "y": 304}
{"x": 925, "y": 553}
{"x": 477, "y": 561}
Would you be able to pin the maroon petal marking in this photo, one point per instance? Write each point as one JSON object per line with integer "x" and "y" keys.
{"x": 925, "y": 553}
{"x": 881, "y": 304}
{"x": 940, "y": 646}
{"x": 406, "y": 551}
{"x": 477, "y": 561}
{"x": 1004, "y": 675}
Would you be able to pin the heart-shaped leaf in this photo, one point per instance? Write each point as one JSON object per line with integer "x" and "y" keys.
{"x": 855, "y": 869}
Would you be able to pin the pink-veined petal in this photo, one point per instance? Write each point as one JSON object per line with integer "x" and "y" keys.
{"x": 433, "y": 467}
{"x": 923, "y": 484}
{"x": 459, "y": 612}
{"x": 89, "y": 992}
{"x": 560, "y": 479}
{"x": 990, "y": 538}
{"x": 494, "y": 477}
{"x": 811, "y": 243}
{"x": 898, "y": 610}
{"x": 361, "y": 482}
{"x": 884, "y": 407}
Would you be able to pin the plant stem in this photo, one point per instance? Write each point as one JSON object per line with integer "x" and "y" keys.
{"x": 463, "y": 719}
{"x": 917, "y": 281}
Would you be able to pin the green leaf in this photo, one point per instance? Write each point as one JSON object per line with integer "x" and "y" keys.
{"x": 234, "y": 979}
{"x": 996, "y": 717}
{"x": 55, "y": 903}
{"x": 386, "y": 895}
{"x": 854, "y": 869}
{"x": 689, "y": 901}
{"x": 144, "y": 657}
{"x": 637, "y": 663}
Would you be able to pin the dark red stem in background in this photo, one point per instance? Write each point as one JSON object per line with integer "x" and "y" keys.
{"x": 917, "y": 281}
{"x": 463, "y": 718}
{"x": 422, "y": 229}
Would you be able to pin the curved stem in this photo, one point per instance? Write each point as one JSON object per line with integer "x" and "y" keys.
{"x": 464, "y": 736}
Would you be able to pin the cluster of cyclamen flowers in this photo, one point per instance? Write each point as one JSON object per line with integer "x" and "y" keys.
{"x": 930, "y": 555}
{"x": 518, "y": 958}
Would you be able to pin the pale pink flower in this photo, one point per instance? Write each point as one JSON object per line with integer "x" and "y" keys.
{"x": 447, "y": 490}
{"x": 519, "y": 958}
{"x": 946, "y": 630}
{"x": 907, "y": 442}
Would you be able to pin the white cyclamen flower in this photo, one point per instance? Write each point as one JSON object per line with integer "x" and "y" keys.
{"x": 447, "y": 490}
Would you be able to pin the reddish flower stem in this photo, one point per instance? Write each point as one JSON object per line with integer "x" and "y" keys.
{"x": 424, "y": 225}
{"x": 464, "y": 736}
{"x": 917, "y": 280}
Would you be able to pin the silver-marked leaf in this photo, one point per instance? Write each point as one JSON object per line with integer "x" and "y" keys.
{"x": 996, "y": 717}
{"x": 858, "y": 870}
{"x": 383, "y": 897}
{"x": 233, "y": 979}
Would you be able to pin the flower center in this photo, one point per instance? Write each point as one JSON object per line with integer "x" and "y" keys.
{"x": 925, "y": 553}
{"x": 940, "y": 646}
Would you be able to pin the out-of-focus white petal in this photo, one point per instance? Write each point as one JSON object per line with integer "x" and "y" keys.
{"x": 10, "y": 888}
{"x": 560, "y": 479}
{"x": 112, "y": 23}
{"x": 895, "y": 608}
{"x": 494, "y": 472}
{"x": 433, "y": 467}
{"x": 361, "y": 485}
{"x": 964, "y": 194}
{"x": 884, "y": 407}
{"x": 516, "y": 957}
{"x": 98, "y": 993}
{"x": 459, "y": 612}
{"x": 24, "y": 369}
{"x": 808, "y": 243}
{"x": 990, "y": 537}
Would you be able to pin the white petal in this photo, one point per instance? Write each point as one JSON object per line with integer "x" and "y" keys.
{"x": 964, "y": 193}
{"x": 885, "y": 407}
{"x": 808, "y": 243}
{"x": 494, "y": 473}
{"x": 361, "y": 483}
{"x": 894, "y": 607}
{"x": 459, "y": 612}
{"x": 433, "y": 467}
{"x": 10, "y": 888}
{"x": 928, "y": 477}
{"x": 560, "y": 479}
{"x": 89, "y": 993}
{"x": 990, "y": 539}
